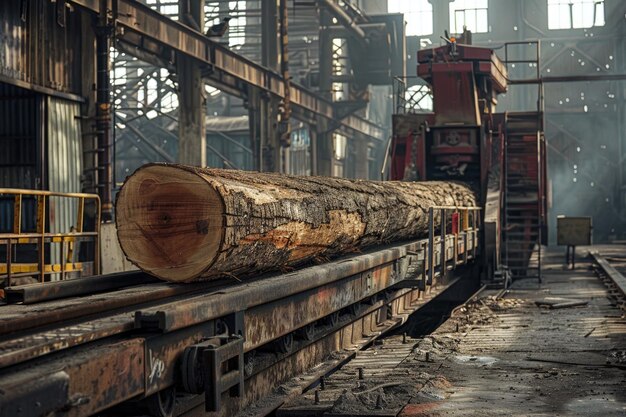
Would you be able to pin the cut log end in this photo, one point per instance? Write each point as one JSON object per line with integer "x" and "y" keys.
{"x": 170, "y": 222}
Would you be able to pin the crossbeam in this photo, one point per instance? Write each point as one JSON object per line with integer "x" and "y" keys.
{"x": 151, "y": 32}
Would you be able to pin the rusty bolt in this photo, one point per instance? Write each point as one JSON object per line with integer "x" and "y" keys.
{"x": 360, "y": 373}
{"x": 427, "y": 356}
{"x": 404, "y": 338}
{"x": 457, "y": 327}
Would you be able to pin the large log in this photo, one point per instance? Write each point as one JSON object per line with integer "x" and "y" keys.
{"x": 183, "y": 223}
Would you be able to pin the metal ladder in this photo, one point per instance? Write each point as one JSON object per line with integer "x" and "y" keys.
{"x": 522, "y": 203}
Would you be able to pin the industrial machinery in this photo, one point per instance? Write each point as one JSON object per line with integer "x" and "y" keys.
{"x": 128, "y": 343}
{"x": 502, "y": 154}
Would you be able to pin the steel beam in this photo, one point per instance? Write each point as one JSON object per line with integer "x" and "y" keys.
{"x": 35, "y": 293}
{"x": 569, "y": 79}
{"x": 345, "y": 20}
{"x": 149, "y": 31}
{"x": 192, "y": 146}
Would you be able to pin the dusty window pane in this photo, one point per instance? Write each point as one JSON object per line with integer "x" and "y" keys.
{"x": 470, "y": 13}
{"x": 418, "y": 15}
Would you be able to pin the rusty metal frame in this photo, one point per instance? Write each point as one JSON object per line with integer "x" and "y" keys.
{"x": 445, "y": 242}
{"x": 371, "y": 285}
{"x": 149, "y": 30}
{"x": 41, "y": 237}
{"x": 94, "y": 369}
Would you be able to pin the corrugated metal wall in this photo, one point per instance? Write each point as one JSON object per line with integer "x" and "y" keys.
{"x": 19, "y": 141}
{"x": 64, "y": 157}
{"x": 64, "y": 160}
{"x": 18, "y": 137}
{"x": 26, "y": 118}
{"x": 39, "y": 44}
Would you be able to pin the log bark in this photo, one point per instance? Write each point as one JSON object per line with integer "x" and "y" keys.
{"x": 184, "y": 223}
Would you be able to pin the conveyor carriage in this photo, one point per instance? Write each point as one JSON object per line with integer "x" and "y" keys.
{"x": 502, "y": 154}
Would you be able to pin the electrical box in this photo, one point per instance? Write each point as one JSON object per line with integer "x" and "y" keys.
{"x": 573, "y": 231}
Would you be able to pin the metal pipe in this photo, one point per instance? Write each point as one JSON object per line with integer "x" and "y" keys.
{"x": 343, "y": 18}
{"x": 103, "y": 112}
{"x": 285, "y": 140}
{"x": 570, "y": 78}
{"x": 385, "y": 159}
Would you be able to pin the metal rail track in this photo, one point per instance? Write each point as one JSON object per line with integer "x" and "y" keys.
{"x": 379, "y": 357}
{"x": 78, "y": 356}
{"x": 354, "y": 331}
{"x": 613, "y": 279}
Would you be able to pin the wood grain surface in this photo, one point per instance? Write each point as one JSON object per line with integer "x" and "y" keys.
{"x": 183, "y": 223}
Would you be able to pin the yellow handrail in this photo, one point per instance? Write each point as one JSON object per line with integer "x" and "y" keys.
{"x": 41, "y": 237}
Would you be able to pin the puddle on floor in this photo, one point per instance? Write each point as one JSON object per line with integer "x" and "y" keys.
{"x": 602, "y": 405}
{"x": 480, "y": 360}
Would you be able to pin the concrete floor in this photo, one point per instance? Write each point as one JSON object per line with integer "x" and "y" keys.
{"x": 515, "y": 358}
{"x": 495, "y": 357}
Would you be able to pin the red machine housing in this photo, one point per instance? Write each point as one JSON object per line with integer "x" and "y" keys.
{"x": 501, "y": 154}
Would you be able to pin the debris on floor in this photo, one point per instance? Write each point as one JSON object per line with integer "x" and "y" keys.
{"x": 525, "y": 354}
{"x": 556, "y": 303}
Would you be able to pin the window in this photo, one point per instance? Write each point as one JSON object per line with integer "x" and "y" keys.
{"x": 237, "y": 29}
{"x": 575, "y": 14}
{"x": 418, "y": 15}
{"x": 469, "y": 13}
{"x": 418, "y": 98}
{"x": 340, "y": 143}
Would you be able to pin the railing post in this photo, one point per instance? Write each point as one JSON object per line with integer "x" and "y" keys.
{"x": 465, "y": 247}
{"x": 425, "y": 269}
{"x": 63, "y": 260}
{"x": 80, "y": 214}
{"x": 443, "y": 263}
{"x": 96, "y": 255}
{"x": 9, "y": 266}
{"x": 17, "y": 214}
{"x": 465, "y": 219}
{"x": 431, "y": 246}
{"x": 41, "y": 231}
{"x": 475, "y": 239}
{"x": 456, "y": 228}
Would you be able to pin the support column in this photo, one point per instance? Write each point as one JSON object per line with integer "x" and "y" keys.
{"x": 104, "y": 160}
{"x": 284, "y": 125}
{"x": 361, "y": 170}
{"x": 441, "y": 16}
{"x": 269, "y": 146}
{"x": 324, "y": 148}
{"x": 314, "y": 150}
{"x": 88, "y": 110}
{"x": 325, "y": 54}
{"x": 192, "y": 106}
{"x": 253, "y": 103}
{"x": 269, "y": 36}
{"x": 621, "y": 127}
{"x": 271, "y": 159}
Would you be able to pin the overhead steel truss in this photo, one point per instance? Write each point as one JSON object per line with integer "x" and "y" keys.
{"x": 154, "y": 34}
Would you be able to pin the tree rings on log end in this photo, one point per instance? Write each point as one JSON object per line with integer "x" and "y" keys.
{"x": 170, "y": 222}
